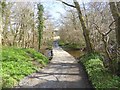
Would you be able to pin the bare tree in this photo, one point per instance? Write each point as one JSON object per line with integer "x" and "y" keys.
{"x": 85, "y": 30}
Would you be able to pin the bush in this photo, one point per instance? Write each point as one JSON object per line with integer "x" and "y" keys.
{"x": 69, "y": 45}
{"x": 61, "y": 43}
{"x": 97, "y": 73}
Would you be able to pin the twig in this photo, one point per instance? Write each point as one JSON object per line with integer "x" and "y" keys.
{"x": 97, "y": 27}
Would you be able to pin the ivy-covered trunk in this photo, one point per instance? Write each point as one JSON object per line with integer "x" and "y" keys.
{"x": 40, "y": 24}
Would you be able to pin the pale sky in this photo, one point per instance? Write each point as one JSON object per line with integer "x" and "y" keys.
{"x": 54, "y": 6}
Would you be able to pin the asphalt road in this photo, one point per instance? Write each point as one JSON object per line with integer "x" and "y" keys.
{"x": 62, "y": 72}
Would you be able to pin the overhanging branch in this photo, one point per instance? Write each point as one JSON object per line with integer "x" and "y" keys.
{"x": 67, "y": 4}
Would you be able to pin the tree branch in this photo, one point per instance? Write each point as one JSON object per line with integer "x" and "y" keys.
{"x": 67, "y": 4}
{"x": 97, "y": 27}
{"x": 105, "y": 34}
{"x": 110, "y": 28}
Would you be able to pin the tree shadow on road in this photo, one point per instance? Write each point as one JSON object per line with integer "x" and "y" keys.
{"x": 47, "y": 81}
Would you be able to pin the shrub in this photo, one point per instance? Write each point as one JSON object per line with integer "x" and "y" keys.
{"x": 97, "y": 73}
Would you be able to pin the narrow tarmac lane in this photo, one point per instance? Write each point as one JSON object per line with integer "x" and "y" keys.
{"x": 62, "y": 72}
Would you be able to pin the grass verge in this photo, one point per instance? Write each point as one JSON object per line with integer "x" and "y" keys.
{"x": 97, "y": 73}
{"x": 16, "y": 64}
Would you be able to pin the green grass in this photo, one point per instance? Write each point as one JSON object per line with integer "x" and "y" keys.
{"x": 16, "y": 64}
{"x": 97, "y": 73}
{"x": 37, "y": 56}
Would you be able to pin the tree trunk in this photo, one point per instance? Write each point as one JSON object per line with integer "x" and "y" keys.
{"x": 115, "y": 13}
{"x": 85, "y": 30}
{"x": 115, "y": 10}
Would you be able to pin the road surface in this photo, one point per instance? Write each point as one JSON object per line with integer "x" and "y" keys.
{"x": 62, "y": 72}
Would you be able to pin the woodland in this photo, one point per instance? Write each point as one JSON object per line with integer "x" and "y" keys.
{"x": 27, "y": 31}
